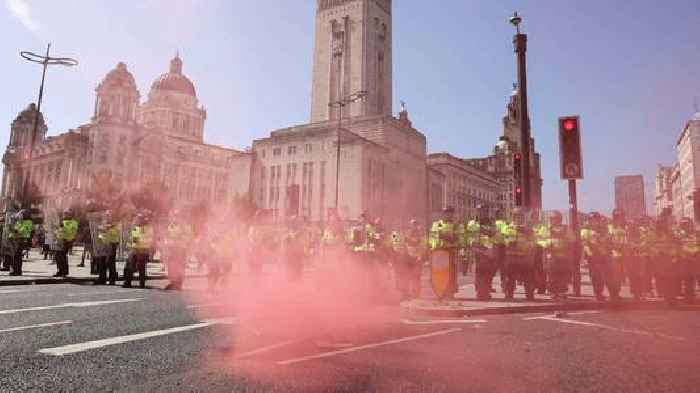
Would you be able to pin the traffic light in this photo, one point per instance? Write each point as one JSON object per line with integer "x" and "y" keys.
{"x": 570, "y": 148}
{"x": 517, "y": 177}
{"x": 518, "y": 193}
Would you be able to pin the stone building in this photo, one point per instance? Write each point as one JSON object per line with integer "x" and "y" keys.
{"x": 382, "y": 168}
{"x": 499, "y": 164}
{"x": 688, "y": 148}
{"x": 465, "y": 187}
{"x": 135, "y": 144}
{"x": 663, "y": 200}
{"x": 629, "y": 196}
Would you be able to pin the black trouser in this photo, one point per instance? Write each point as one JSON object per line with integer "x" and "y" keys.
{"x": 485, "y": 269}
{"x": 596, "y": 271}
{"x": 614, "y": 275}
{"x": 100, "y": 263}
{"x": 6, "y": 261}
{"x": 519, "y": 268}
{"x": 45, "y": 250}
{"x": 689, "y": 276}
{"x": 559, "y": 275}
{"x": 137, "y": 262}
{"x": 62, "y": 259}
{"x": 107, "y": 264}
{"x": 633, "y": 270}
{"x": 17, "y": 261}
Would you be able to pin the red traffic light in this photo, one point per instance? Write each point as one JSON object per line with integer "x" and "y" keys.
{"x": 518, "y": 190}
{"x": 569, "y": 124}
{"x": 516, "y": 156}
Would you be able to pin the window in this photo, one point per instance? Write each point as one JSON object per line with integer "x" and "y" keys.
{"x": 262, "y": 153}
{"x": 291, "y": 150}
{"x": 308, "y": 148}
{"x": 277, "y": 151}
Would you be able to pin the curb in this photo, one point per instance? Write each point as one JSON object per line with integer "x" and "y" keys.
{"x": 66, "y": 280}
{"x": 578, "y": 306}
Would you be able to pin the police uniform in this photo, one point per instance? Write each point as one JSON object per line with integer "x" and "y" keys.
{"x": 66, "y": 234}
{"x": 690, "y": 250}
{"x": 178, "y": 240}
{"x": 22, "y": 236}
{"x": 109, "y": 234}
{"x": 595, "y": 254}
{"x": 558, "y": 245}
{"x": 443, "y": 235}
{"x": 519, "y": 261}
{"x": 140, "y": 246}
{"x": 293, "y": 250}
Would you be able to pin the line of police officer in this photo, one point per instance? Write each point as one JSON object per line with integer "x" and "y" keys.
{"x": 545, "y": 257}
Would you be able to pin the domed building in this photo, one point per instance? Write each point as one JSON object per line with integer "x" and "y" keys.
{"x": 135, "y": 144}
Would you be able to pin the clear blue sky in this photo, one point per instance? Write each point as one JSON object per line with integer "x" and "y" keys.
{"x": 629, "y": 68}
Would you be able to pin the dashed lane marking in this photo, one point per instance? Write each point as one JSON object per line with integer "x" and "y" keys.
{"x": 41, "y": 325}
{"x": 204, "y": 305}
{"x": 443, "y": 321}
{"x": 68, "y": 305}
{"x": 368, "y": 346}
{"x": 95, "y": 344}
{"x": 265, "y": 349}
{"x": 568, "y": 313}
{"x": 613, "y": 328}
{"x": 4, "y": 291}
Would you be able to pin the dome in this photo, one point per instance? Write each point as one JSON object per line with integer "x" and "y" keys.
{"x": 696, "y": 117}
{"x": 174, "y": 80}
{"x": 119, "y": 77}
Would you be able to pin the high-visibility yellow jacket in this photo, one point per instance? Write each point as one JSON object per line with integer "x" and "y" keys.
{"x": 68, "y": 231}
{"x": 141, "y": 238}
{"x": 442, "y": 235}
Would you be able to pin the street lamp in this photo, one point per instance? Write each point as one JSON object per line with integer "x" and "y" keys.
{"x": 45, "y": 61}
{"x": 340, "y": 104}
{"x": 520, "y": 44}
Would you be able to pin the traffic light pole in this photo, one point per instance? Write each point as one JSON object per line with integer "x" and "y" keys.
{"x": 520, "y": 44}
{"x": 573, "y": 220}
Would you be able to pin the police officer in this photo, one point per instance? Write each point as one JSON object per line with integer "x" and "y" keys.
{"x": 595, "y": 252}
{"x": 140, "y": 246}
{"x": 619, "y": 253}
{"x": 666, "y": 250}
{"x": 22, "y": 235}
{"x": 293, "y": 249}
{"x": 483, "y": 249}
{"x": 109, "y": 233}
{"x": 66, "y": 234}
{"x": 559, "y": 247}
{"x": 688, "y": 269}
{"x": 518, "y": 265}
{"x": 177, "y": 243}
{"x": 443, "y": 236}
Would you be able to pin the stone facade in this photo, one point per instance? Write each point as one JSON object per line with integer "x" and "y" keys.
{"x": 688, "y": 148}
{"x": 134, "y": 143}
{"x": 352, "y": 52}
{"x": 464, "y": 186}
{"x": 382, "y": 169}
{"x": 663, "y": 200}
{"x": 629, "y": 196}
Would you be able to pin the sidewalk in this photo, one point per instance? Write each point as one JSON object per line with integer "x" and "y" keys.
{"x": 37, "y": 270}
{"x": 465, "y": 303}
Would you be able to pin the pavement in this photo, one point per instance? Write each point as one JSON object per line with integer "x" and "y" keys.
{"x": 84, "y": 338}
{"x": 465, "y": 304}
{"x": 40, "y": 271}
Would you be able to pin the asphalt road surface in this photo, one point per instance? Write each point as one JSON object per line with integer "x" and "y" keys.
{"x": 71, "y": 338}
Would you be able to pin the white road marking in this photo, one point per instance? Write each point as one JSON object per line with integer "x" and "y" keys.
{"x": 368, "y": 346}
{"x": 614, "y": 329}
{"x": 204, "y": 305}
{"x": 442, "y": 321}
{"x": 16, "y": 329}
{"x": 3, "y": 291}
{"x": 95, "y": 344}
{"x": 67, "y": 305}
{"x": 125, "y": 290}
{"x": 555, "y": 315}
{"x": 265, "y": 349}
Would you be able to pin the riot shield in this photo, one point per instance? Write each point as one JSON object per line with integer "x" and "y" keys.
{"x": 442, "y": 272}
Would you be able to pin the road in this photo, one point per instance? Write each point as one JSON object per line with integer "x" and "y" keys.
{"x": 74, "y": 338}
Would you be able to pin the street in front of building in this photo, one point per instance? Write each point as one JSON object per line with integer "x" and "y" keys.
{"x": 86, "y": 339}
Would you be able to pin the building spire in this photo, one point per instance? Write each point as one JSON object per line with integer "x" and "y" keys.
{"x": 176, "y": 64}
